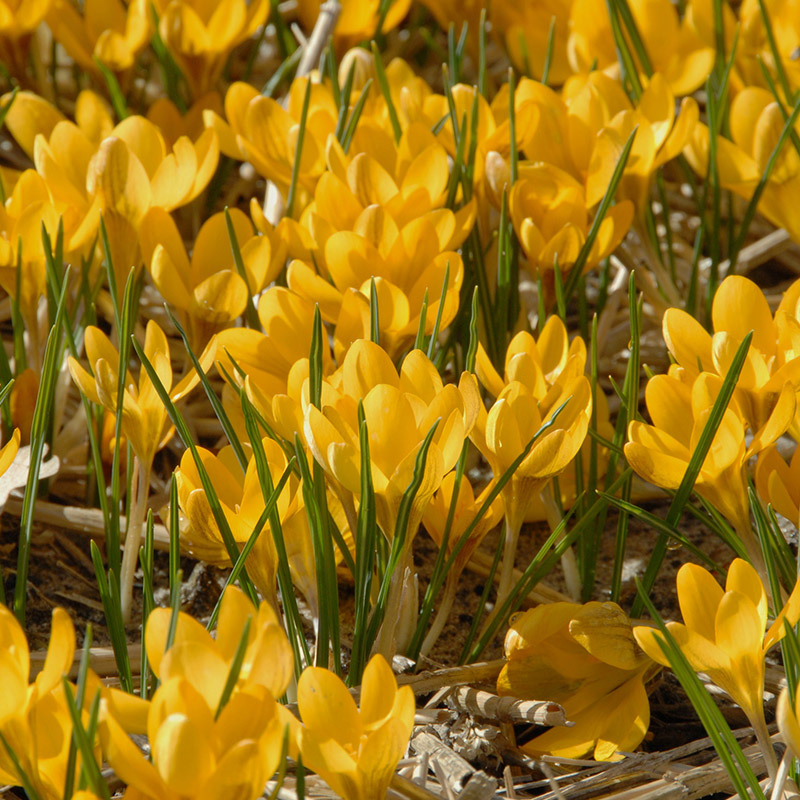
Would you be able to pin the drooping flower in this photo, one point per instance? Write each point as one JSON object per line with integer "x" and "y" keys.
{"x": 355, "y": 750}
{"x": 586, "y": 659}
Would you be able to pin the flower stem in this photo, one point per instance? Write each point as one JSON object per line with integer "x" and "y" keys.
{"x": 568, "y": 562}
{"x": 133, "y": 537}
{"x": 440, "y": 619}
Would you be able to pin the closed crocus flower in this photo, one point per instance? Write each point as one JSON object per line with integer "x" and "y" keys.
{"x": 723, "y": 636}
{"x": 585, "y": 658}
{"x": 108, "y": 30}
{"x": 552, "y": 219}
{"x": 200, "y": 36}
{"x": 355, "y": 750}
{"x": 207, "y": 290}
{"x": 771, "y": 373}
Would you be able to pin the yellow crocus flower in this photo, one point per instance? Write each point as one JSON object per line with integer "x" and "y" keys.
{"x": 260, "y": 130}
{"x": 723, "y": 636}
{"x": 144, "y": 418}
{"x": 585, "y": 658}
{"x": 355, "y": 750}
{"x": 772, "y": 362}
{"x": 681, "y": 49}
{"x": 400, "y": 409}
{"x": 756, "y": 124}
{"x": 778, "y": 483}
{"x": 552, "y": 219}
{"x": 200, "y": 34}
{"x": 205, "y": 661}
{"x": 108, "y": 30}
{"x": 502, "y": 433}
{"x": 679, "y": 405}
{"x": 35, "y": 721}
{"x": 242, "y": 501}
{"x": 18, "y": 21}
{"x": 199, "y": 749}
{"x": 358, "y": 20}
{"x": 207, "y": 291}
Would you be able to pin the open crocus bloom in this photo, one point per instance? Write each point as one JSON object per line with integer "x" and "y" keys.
{"x": 679, "y": 406}
{"x": 756, "y": 125}
{"x": 200, "y": 745}
{"x": 242, "y": 500}
{"x": 682, "y": 50}
{"x": 355, "y": 750}
{"x": 723, "y": 631}
{"x": 207, "y": 290}
{"x": 586, "y": 659}
{"x": 772, "y": 362}
{"x": 400, "y": 410}
{"x": 260, "y": 130}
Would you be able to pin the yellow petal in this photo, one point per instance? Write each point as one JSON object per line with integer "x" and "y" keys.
{"x": 699, "y": 596}
{"x": 183, "y": 755}
{"x": 326, "y": 707}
